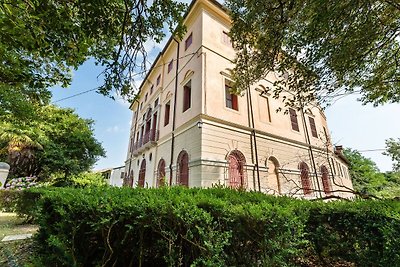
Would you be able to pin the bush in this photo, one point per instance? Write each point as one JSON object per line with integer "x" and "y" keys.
{"x": 81, "y": 180}
{"x": 211, "y": 227}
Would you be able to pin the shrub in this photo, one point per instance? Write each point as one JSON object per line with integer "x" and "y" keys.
{"x": 81, "y": 180}
{"x": 211, "y": 227}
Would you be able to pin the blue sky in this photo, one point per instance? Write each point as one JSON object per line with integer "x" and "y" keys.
{"x": 350, "y": 123}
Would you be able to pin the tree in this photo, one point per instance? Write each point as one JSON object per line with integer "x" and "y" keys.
{"x": 41, "y": 41}
{"x": 364, "y": 173}
{"x": 393, "y": 150}
{"x": 56, "y": 140}
{"x": 319, "y": 48}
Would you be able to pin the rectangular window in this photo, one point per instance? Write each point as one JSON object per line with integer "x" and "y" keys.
{"x": 231, "y": 100}
{"x": 156, "y": 103}
{"x": 151, "y": 89}
{"x": 188, "y": 41}
{"x": 122, "y": 175}
{"x": 293, "y": 119}
{"x": 166, "y": 114}
{"x": 145, "y": 97}
{"x": 312, "y": 126}
{"x": 225, "y": 38}
{"x": 141, "y": 106}
{"x": 187, "y": 92}
{"x": 158, "y": 79}
{"x": 170, "y": 66}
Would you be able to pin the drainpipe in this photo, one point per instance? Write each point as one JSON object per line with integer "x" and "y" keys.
{"x": 254, "y": 138}
{"x": 310, "y": 147}
{"x": 174, "y": 112}
{"x": 134, "y": 135}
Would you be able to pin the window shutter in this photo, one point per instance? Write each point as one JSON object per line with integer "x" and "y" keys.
{"x": 293, "y": 119}
{"x": 166, "y": 115}
{"x": 234, "y": 102}
{"x": 186, "y": 96}
{"x": 312, "y": 126}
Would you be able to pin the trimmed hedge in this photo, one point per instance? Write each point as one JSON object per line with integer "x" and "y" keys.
{"x": 211, "y": 227}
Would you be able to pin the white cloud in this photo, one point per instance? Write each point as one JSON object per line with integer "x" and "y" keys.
{"x": 113, "y": 129}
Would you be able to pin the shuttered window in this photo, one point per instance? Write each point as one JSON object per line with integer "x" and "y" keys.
{"x": 187, "y": 92}
{"x": 166, "y": 114}
{"x": 231, "y": 100}
{"x": 188, "y": 41}
{"x": 170, "y": 65}
{"x": 325, "y": 180}
{"x": 293, "y": 119}
{"x": 305, "y": 178}
{"x": 312, "y": 126}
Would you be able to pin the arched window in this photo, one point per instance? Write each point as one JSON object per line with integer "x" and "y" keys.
{"x": 273, "y": 177}
{"x": 142, "y": 173}
{"x": 305, "y": 178}
{"x": 236, "y": 161}
{"x": 183, "y": 169}
{"x": 325, "y": 180}
{"x": 161, "y": 173}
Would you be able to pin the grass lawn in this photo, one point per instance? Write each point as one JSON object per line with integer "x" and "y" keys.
{"x": 15, "y": 253}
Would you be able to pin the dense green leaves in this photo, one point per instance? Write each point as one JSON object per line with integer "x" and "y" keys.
{"x": 52, "y": 140}
{"x": 42, "y": 41}
{"x": 319, "y": 46}
{"x": 211, "y": 227}
{"x": 393, "y": 150}
{"x": 367, "y": 179}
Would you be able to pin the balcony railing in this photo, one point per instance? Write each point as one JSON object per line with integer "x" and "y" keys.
{"x": 149, "y": 137}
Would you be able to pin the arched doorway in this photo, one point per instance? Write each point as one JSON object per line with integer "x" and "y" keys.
{"x": 161, "y": 173}
{"x": 325, "y": 180}
{"x": 273, "y": 176}
{"x": 305, "y": 178}
{"x": 183, "y": 169}
{"x": 142, "y": 173}
{"x": 236, "y": 161}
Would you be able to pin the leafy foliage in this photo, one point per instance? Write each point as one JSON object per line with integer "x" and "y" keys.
{"x": 211, "y": 227}
{"x": 41, "y": 41}
{"x": 53, "y": 140}
{"x": 319, "y": 47}
{"x": 81, "y": 180}
{"x": 367, "y": 179}
{"x": 393, "y": 150}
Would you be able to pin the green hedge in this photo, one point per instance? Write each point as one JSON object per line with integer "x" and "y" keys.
{"x": 211, "y": 227}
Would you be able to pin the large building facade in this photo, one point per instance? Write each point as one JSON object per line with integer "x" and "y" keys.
{"x": 188, "y": 129}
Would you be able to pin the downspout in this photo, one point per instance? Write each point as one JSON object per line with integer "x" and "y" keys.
{"x": 134, "y": 135}
{"x": 310, "y": 148}
{"x": 174, "y": 112}
{"x": 254, "y": 139}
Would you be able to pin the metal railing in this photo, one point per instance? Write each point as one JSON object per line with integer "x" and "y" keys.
{"x": 150, "y": 136}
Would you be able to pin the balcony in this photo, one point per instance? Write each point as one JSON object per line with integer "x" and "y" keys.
{"x": 148, "y": 140}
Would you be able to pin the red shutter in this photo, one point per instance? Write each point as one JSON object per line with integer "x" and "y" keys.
{"x": 186, "y": 96}
{"x": 313, "y": 128}
{"x": 166, "y": 115}
{"x": 235, "y": 102}
{"x": 293, "y": 119}
{"x": 188, "y": 41}
{"x": 325, "y": 180}
{"x": 305, "y": 179}
{"x": 161, "y": 173}
{"x": 183, "y": 169}
{"x": 142, "y": 174}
